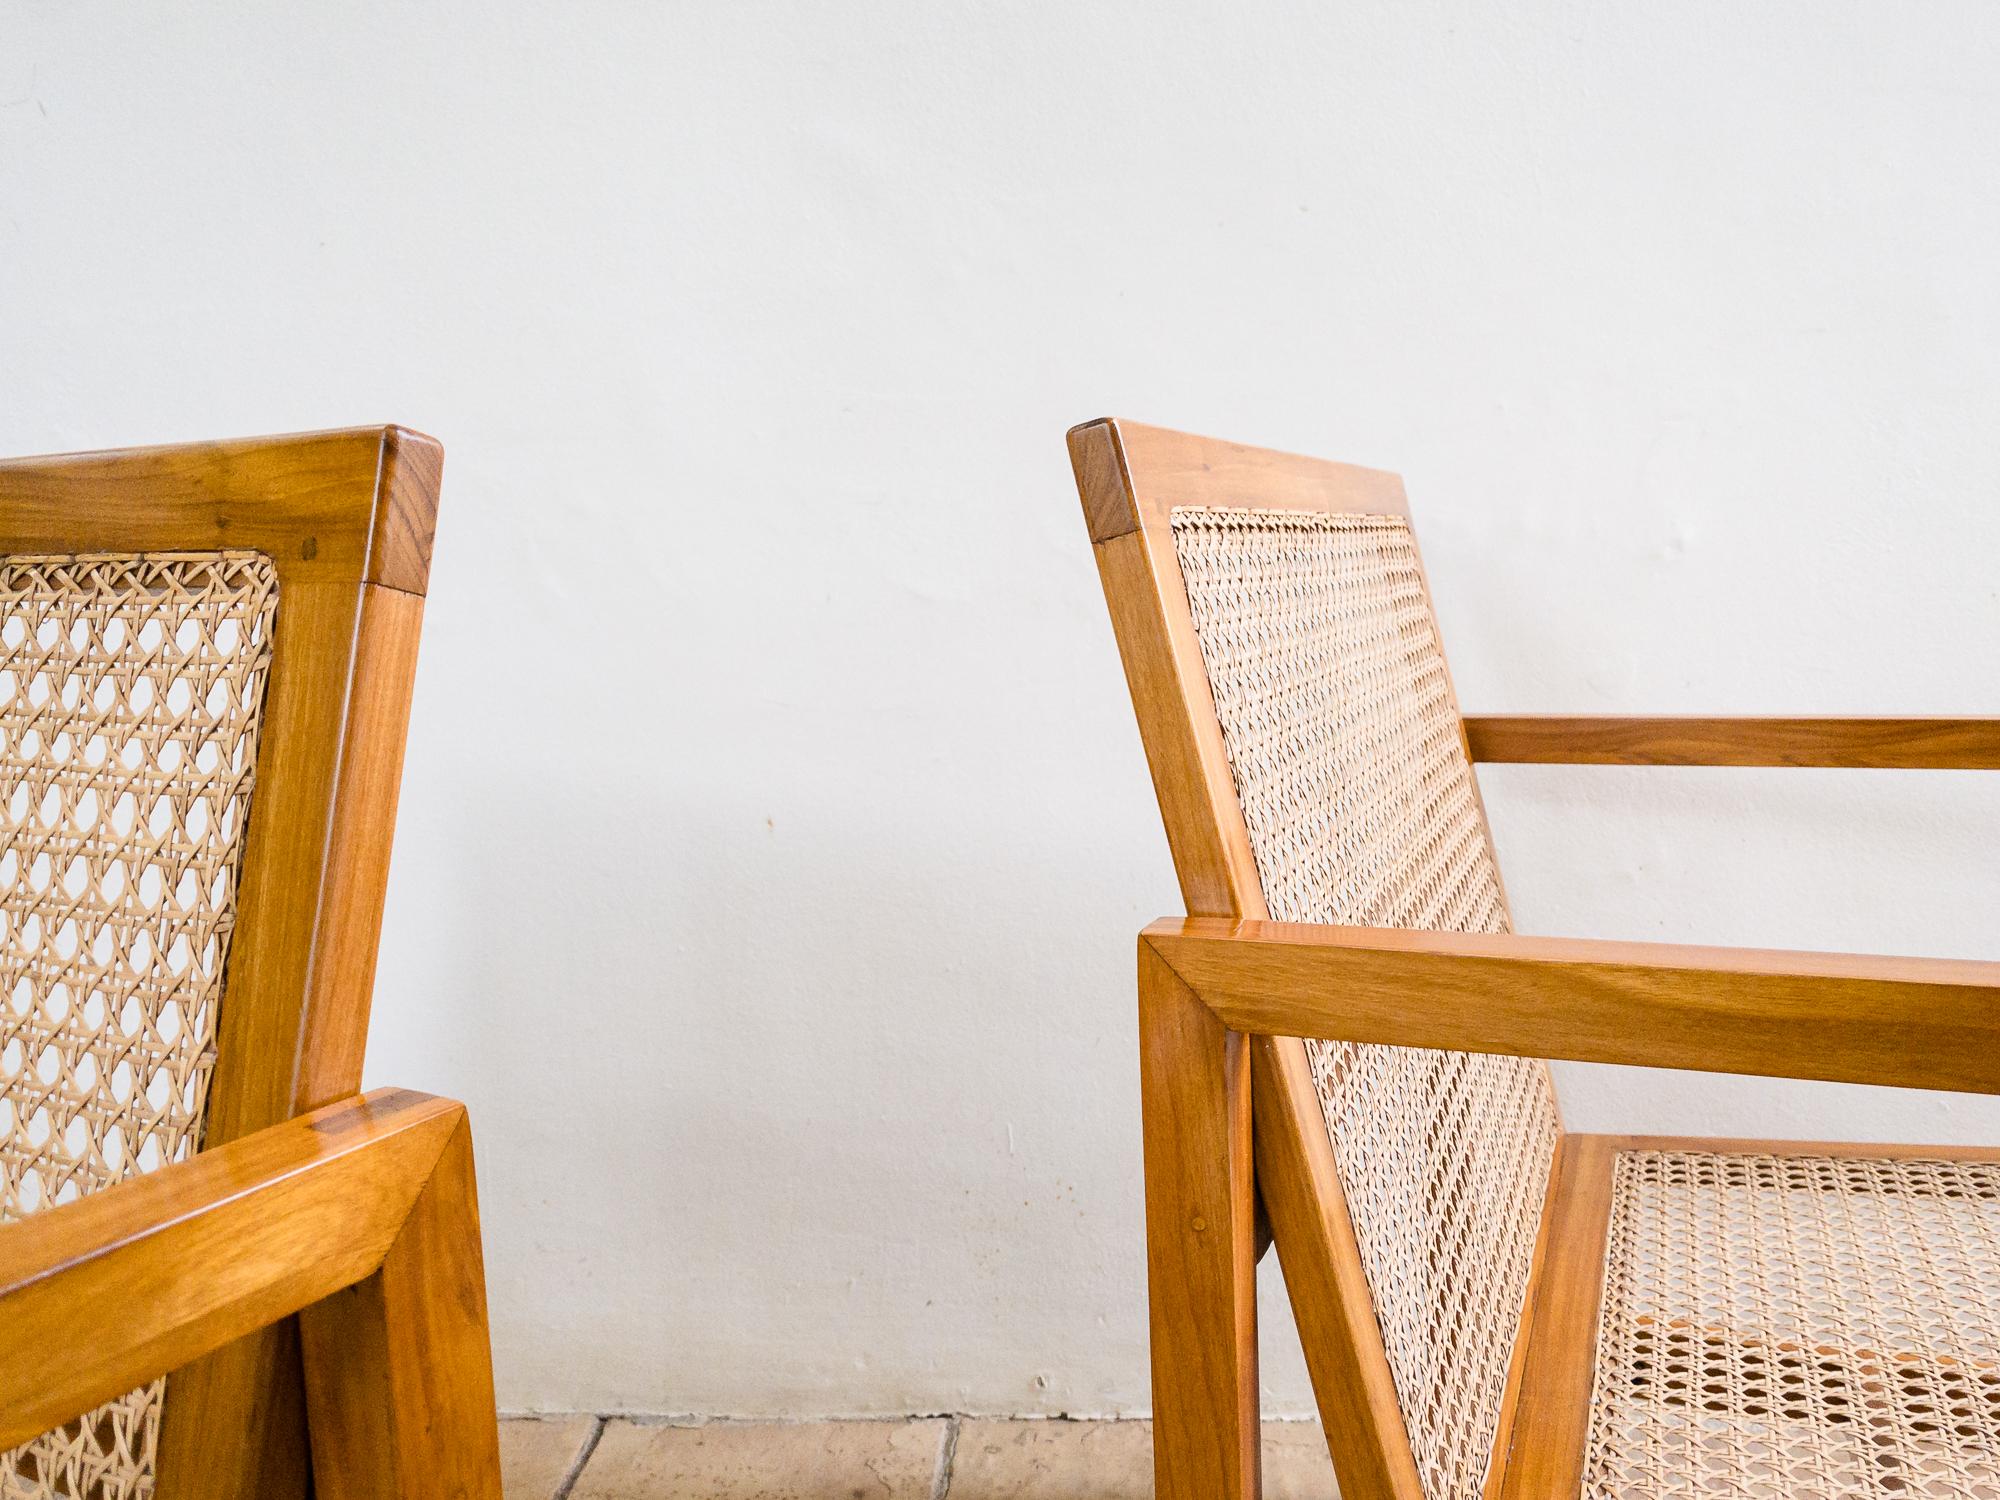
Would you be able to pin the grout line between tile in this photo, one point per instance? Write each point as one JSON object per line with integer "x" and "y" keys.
{"x": 947, "y": 1453}
{"x": 583, "y": 1453}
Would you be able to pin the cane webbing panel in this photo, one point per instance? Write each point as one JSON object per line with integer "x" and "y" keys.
{"x": 1329, "y": 681}
{"x": 131, "y": 690}
{"x": 1806, "y": 1327}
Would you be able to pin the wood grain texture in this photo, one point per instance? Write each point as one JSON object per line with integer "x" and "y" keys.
{"x": 354, "y": 877}
{"x": 1161, "y": 469}
{"x": 399, "y": 1376}
{"x": 1517, "y": 1365}
{"x": 1856, "y": 744}
{"x": 128, "y": 1283}
{"x": 1540, "y": 1455}
{"x": 405, "y": 520}
{"x": 312, "y": 502}
{"x": 1201, "y": 1257}
{"x": 346, "y": 518}
{"x": 1331, "y": 1302}
{"x": 1911, "y": 1022}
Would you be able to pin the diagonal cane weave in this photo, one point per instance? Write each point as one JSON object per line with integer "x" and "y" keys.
{"x": 131, "y": 691}
{"x": 1329, "y": 681}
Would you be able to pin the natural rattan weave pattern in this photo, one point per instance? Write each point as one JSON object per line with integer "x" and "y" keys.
{"x": 1805, "y": 1327}
{"x": 131, "y": 690}
{"x": 1336, "y": 712}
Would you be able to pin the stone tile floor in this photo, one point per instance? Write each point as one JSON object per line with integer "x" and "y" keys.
{"x": 926, "y": 1458}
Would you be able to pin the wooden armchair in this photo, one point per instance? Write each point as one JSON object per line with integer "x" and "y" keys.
{"x": 206, "y": 656}
{"x": 1489, "y": 1306}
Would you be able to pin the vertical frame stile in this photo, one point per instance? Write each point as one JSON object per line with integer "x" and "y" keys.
{"x": 1201, "y": 1254}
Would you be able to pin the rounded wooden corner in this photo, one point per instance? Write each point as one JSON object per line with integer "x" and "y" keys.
{"x": 410, "y": 474}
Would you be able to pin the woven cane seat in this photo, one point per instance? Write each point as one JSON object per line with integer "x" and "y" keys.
{"x": 1807, "y": 1327}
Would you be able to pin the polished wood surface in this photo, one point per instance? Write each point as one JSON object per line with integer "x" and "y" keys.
{"x": 1539, "y": 1453}
{"x": 354, "y": 505}
{"x": 1911, "y": 1022}
{"x": 397, "y": 1370}
{"x": 1142, "y": 473}
{"x": 1517, "y": 1365}
{"x": 130, "y": 1282}
{"x": 1858, "y": 744}
{"x": 1332, "y": 1306}
{"x": 355, "y": 874}
{"x": 1201, "y": 1255}
{"x": 347, "y": 519}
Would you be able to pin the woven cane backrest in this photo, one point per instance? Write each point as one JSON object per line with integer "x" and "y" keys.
{"x": 1329, "y": 682}
{"x": 131, "y": 693}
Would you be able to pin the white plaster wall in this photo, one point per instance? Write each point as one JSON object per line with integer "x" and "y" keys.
{"x": 775, "y": 826}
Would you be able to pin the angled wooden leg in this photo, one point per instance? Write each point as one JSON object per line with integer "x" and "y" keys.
{"x": 399, "y": 1373}
{"x": 1201, "y": 1251}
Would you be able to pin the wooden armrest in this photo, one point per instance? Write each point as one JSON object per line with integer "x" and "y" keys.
{"x": 120, "y": 1287}
{"x": 1913, "y": 1022}
{"x": 1859, "y": 744}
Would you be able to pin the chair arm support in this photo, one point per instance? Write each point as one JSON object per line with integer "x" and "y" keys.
{"x": 1860, "y": 744}
{"x": 1911, "y": 1022}
{"x": 124, "y": 1285}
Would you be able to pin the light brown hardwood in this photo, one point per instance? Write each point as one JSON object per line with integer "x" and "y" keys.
{"x": 1850, "y": 1018}
{"x": 347, "y": 519}
{"x": 128, "y": 1283}
{"x": 1138, "y": 474}
{"x": 397, "y": 1372}
{"x": 1854, "y": 744}
{"x": 1201, "y": 1256}
{"x": 1331, "y": 1303}
{"x": 355, "y": 877}
{"x": 1539, "y": 1453}
{"x": 1517, "y": 1368}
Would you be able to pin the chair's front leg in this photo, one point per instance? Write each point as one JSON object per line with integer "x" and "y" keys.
{"x": 399, "y": 1376}
{"x": 1201, "y": 1251}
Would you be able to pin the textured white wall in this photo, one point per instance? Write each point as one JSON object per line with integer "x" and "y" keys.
{"x": 775, "y": 828}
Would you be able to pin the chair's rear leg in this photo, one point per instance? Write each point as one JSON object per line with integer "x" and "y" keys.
{"x": 1201, "y": 1251}
{"x": 399, "y": 1371}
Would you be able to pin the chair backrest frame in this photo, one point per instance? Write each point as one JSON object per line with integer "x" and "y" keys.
{"x": 1131, "y": 478}
{"x": 346, "y": 519}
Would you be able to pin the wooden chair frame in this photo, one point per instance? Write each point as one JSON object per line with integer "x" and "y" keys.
{"x": 362, "y": 1213}
{"x": 1232, "y": 1123}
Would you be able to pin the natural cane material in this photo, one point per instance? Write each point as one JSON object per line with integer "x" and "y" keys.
{"x": 131, "y": 690}
{"x": 1810, "y": 1327}
{"x": 1343, "y": 742}
{"x": 1756, "y": 1319}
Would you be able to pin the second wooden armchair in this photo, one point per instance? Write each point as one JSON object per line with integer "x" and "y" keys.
{"x": 206, "y": 656}
{"x": 1490, "y": 1306}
